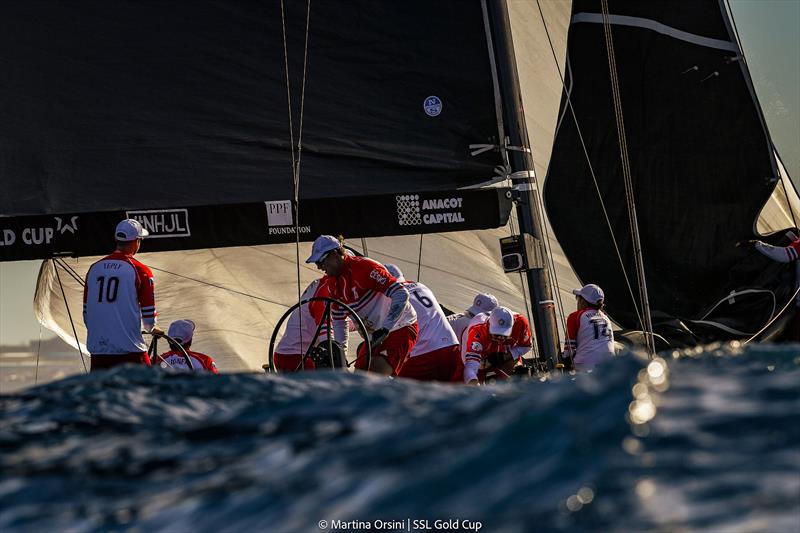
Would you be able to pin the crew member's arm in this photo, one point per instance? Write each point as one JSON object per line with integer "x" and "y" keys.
{"x": 399, "y": 295}
{"x": 571, "y": 341}
{"x": 145, "y": 289}
{"x": 522, "y": 335}
{"x": 341, "y": 331}
{"x": 785, "y": 254}
{"x": 316, "y": 310}
{"x": 473, "y": 357}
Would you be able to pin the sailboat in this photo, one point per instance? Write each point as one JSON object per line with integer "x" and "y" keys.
{"x": 703, "y": 166}
{"x": 237, "y": 133}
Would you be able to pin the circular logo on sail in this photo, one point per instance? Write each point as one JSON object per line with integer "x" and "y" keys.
{"x": 432, "y": 105}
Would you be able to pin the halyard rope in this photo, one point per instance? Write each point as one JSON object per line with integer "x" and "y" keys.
{"x": 628, "y": 180}
{"x": 296, "y": 162}
{"x": 591, "y": 168}
{"x": 69, "y": 314}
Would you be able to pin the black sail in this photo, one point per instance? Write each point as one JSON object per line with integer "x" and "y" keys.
{"x": 701, "y": 161}
{"x": 179, "y": 111}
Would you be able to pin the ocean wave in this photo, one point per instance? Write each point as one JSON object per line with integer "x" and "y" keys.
{"x": 698, "y": 440}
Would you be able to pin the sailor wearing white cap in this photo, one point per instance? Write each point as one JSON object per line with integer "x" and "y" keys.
{"x": 119, "y": 301}
{"x": 589, "y": 337}
{"x": 378, "y": 298}
{"x": 496, "y": 344}
{"x": 482, "y": 303}
{"x": 182, "y": 332}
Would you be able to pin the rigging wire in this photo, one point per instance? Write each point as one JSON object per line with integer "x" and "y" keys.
{"x": 628, "y": 179}
{"x": 296, "y": 162}
{"x": 522, "y": 281}
{"x": 419, "y": 259}
{"x": 69, "y": 314}
{"x": 71, "y": 271}
{"x": 234, "y": 291}
{"x": 568, "y": 101}
{"x": 38, "y": 352}
{"x": 551, "y": 265}
{"x": 777, "y": 315}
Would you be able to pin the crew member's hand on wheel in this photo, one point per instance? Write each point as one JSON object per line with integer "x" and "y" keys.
{"x": 378, "y": 336}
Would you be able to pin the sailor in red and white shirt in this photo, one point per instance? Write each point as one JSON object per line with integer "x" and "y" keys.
{"x": 495, "y": 344}
{"x": 482, "y": 303}
{"x": 182, "y": 332}
{"x": 119, "y": 302}
{"x": 437, "y": 354}
{"x": 376, "y": 296}
{"x": 783, "y": 254}
{"x": 300, "y": 329}
{"x": 589, "y": 338}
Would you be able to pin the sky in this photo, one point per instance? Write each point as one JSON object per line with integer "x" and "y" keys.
{"x": 770, "y": 35}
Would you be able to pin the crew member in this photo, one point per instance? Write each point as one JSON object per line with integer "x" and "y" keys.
{"x": 785, "y": 254}
{"x": 376, "y": 296}
{"x": 495, "y": 344}
{"x": 589, "y": 338}
{"x": 300, "y": 329}
{"x": 482, "y": 303}
{"x": 182, "y": 332}
{"x": 119, "y": 301}
{"x": 437, "y": 355}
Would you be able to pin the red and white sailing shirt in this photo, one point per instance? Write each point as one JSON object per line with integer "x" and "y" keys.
{"x": 175, "y": 359}
{"x": 374, "y": 294}
{"x": 521, "y": 331}
{"x": 303, "y": 322}
{"x": 434, "y": 330}
{"x": 480, "y": 344}
{"x": 460, "y": 323}
{"x": 118, "y": 302}
{"x": 589, "y": 338}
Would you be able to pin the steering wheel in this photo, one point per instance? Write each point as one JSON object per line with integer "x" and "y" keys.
{"x": 322, "y": 355}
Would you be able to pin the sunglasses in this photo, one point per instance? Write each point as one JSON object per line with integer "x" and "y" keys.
{"x": 323, "y": 258}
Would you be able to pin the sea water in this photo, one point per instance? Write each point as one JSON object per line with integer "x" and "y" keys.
{"x": 705, "y": 440}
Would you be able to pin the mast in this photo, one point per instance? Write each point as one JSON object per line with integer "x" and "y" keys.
{"x": 521, "y": 162}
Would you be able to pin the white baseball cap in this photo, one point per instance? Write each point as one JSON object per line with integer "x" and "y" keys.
{"x": 591, "y": 293}
{"x": 501, "y": 321}
{"x": 130, "y": 229}
{"x": 322, "y": 245}
{"x": 483, "y": 303}
{"x": 181, "y": 331}
{"x": 394, "y": 270}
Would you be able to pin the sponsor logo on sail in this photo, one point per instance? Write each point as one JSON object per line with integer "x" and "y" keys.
{"x": 163, "y": 223}
{"x": 413, "y": 211}
{"x": 280, "y": 219}
{"x": 35, "y": 236}
{"x": 432, "y": 106}
{"x": 71, "y": 225}
{"x": 408, "y": 210}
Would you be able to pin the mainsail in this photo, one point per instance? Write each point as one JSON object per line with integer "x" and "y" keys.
{"x": 190, "y": 116}
{"x": 701, "y": 159}
{"x": 182, "y": 121}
